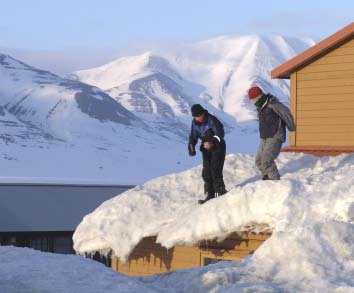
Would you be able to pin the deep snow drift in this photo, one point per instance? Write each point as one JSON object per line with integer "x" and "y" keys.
{"x": 311, "y": 213}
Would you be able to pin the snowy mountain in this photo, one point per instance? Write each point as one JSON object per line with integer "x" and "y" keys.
{"x": 310, "y": 212}
{"x": 148, "y": 86}
{"x": 22, "y": 132}
{"x": 217, "y": 71}
{"x": 44, "y": 114}
{"x": 48, "y": 101}
{"x": 145, "y": 83}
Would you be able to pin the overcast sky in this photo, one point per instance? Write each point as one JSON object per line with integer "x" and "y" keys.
{"x": 105, "y": 29}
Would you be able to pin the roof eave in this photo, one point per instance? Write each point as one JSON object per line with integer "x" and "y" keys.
{"x": 284, "y": 71}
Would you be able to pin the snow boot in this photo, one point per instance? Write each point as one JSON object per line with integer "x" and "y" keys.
{"x": 209, "y": 196}
{"x": 220, "y": 193}
{"x": 265, "y": 177}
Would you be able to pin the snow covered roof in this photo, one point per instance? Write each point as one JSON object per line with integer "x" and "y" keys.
{"x": 312, "y": 191}
{"x": 284, "y": 70}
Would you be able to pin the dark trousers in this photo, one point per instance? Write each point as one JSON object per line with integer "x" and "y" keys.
{"x": 213, "y": 164}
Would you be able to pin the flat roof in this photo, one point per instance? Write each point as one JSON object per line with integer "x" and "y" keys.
{"x": 324, "y": 46}
{"x": 35, "y": 208}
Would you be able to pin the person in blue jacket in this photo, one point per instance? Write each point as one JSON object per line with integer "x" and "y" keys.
{"x": 210, "y": 131}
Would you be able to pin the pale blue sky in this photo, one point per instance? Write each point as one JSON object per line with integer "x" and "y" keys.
{"x": 53, "y": 24}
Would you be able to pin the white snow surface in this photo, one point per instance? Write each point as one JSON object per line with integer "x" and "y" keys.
{"x": 25, "y": 270}
{"x": 310, "y": 212}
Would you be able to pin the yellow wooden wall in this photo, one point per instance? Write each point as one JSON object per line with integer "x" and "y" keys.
{"x": 150, "y": 258}
{"x": 322, "y": 100}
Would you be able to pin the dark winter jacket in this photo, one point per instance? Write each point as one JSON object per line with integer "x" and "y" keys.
{"x": 211, "y": 129}
{"x": 273, "y": 118}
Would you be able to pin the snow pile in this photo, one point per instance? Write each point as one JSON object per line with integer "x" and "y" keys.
{"x": 26, "y": 270}
{"x": 311, "y": 213}
{"x": 167, "y": 206}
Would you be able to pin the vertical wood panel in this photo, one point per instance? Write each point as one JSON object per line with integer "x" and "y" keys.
{"x": 114, "y": 263}
{"x": 293, "y": 105}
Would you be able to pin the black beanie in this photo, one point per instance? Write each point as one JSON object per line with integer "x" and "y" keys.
{"x": 197, "y": 110}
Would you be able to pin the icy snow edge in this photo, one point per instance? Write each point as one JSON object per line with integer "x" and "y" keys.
{"x": 311, "y": 191}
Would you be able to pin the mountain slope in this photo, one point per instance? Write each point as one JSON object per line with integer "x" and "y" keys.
{"x": 53, "y": 103}
{"x": 148, "y": 86}
{"x": 227, "y": 66}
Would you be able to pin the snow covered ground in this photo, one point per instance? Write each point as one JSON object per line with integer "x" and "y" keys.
{"x": 24, "y": 270}
{"x": 310, "y": 210}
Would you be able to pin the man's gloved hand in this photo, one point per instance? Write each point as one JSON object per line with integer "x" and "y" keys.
{"x": 208, "y": 145}
{"x": 191, "y": 150}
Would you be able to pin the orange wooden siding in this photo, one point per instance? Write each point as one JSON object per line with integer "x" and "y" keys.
{"x": 322, "y": 100}
{"x": 150, "y": 258}
{"x": 293, "y": 106}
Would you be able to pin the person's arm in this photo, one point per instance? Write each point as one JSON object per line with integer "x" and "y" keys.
{"x": 193, "y": 139}
{"x": 218, "y": 129}
{"x": 214, "y": 134}
{"x": 284, "y": 113}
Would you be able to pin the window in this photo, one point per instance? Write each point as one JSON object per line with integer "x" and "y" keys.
{"x": 57, "y": 242}
{"x": 63, "y": 245}
{"x": 209, "y": 261}
{"x": 39, "y": 243}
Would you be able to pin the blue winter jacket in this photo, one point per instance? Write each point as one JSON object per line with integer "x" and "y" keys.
{"x": 211, "y": 129}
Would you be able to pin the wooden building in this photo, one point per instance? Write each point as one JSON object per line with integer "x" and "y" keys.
{"x": 322, "y": 95}
{"x": 150, "y": 258}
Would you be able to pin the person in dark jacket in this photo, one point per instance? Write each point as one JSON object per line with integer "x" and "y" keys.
{"x": 274, "y": 117}
{"x": 210, "y": 131}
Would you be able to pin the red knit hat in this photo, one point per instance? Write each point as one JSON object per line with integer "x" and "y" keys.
{"x": 254, "y": 93}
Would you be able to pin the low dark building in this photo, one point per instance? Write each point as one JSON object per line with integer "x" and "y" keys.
{"x": 44, "y": 216}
